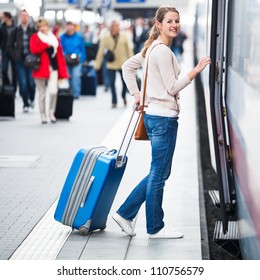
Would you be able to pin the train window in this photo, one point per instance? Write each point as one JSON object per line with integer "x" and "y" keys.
{"x": 244, "y": 40}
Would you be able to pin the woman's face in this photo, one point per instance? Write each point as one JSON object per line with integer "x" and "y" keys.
{"x": 44, "y": 28}
{"x": 170, "y": 26}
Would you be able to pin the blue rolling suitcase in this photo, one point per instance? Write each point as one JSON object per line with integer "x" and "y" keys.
{"x": 91, "y": 186}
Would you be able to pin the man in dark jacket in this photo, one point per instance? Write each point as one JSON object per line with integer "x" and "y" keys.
{"x": 18, "y": 46}
{"x": 5, "y": 30}
{"x": 140, "y": 35}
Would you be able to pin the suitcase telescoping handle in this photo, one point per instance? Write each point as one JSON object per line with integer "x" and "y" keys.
{"x": 121, "y": 157}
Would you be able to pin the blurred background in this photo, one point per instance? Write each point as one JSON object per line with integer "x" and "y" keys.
{"x": 93, "y": 12}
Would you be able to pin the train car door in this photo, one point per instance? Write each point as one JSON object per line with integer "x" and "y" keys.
{"x": 217, "y": 104}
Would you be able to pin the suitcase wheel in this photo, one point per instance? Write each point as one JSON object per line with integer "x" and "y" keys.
{"x": 103, "y": 228}
{"x": 83, "y": 230}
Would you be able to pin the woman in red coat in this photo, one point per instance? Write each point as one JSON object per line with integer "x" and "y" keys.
{"x": 52, "y": 67}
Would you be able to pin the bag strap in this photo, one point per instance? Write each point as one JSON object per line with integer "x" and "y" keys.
{"x": 145, "y": 78}
{"x": 121, "y": 157}
{"x": 115, "y": 39}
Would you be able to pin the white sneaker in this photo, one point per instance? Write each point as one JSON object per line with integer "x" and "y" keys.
{"x": 125, "y": 225}
{"x": 32, "y": 104}
{"x": 25, "y": 109}
{"x": 167, "y": 233}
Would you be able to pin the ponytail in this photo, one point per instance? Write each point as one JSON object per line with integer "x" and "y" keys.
{"x": 153, "y": 35}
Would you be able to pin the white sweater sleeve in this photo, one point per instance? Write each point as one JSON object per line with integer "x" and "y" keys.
{"x": 169, "y": 70}
{"x": 129, "y": 72}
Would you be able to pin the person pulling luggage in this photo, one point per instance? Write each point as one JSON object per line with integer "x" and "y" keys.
{"x": 161, "y": 120}
{"x": 51, "y": 68}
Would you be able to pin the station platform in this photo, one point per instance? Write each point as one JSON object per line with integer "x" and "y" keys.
{"x": 35, "y": 160}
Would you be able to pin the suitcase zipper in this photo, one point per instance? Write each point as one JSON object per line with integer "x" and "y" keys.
{"x": 86, "y": 191}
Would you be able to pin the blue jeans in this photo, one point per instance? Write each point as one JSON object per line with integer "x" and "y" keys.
{"x": 162, "y": 132}
{"x": 112, "y": 83}
{"x": 75, "y": 79}
{"x": 26, "y": 83}
{"x": 104, "y": 73}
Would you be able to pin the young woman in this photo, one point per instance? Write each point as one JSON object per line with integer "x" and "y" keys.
{"x": 161, "y": 120}
{"x": 52, "y": 67}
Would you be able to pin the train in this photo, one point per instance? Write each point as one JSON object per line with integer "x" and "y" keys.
{"x": 227, "y": 31}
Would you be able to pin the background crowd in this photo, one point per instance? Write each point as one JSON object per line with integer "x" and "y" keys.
{"x": 66, "y": 57}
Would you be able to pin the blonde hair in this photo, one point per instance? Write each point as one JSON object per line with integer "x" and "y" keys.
{"x": 42, "y": 21}
{"x": 155, "y": 32}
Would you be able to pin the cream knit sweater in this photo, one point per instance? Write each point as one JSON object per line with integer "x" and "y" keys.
{"x": 163, "y": 82}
